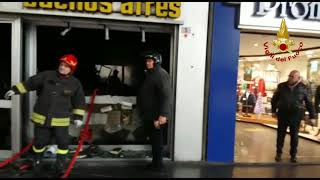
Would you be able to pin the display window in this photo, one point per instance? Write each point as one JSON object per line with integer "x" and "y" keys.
{"x": 259, "y": 75}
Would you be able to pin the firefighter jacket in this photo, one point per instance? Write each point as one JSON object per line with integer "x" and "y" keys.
{"x": 60, "y": 98}
{"x": 291, "y": 102}
{"x": 155, "y": 97}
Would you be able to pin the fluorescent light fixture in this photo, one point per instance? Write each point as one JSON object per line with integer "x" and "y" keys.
{"x": 143, "y": 34}
{"x": 309, "y": 52}
{"x": 106, "y": 33}
{"x": 64, "y": 32}
{"x": 309, "y": 55}
{"x": 314, "y": 66}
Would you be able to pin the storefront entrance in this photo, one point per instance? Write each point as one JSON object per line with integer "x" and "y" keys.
{"x": 102, "y": 53}
{"x": 258, "y": 77}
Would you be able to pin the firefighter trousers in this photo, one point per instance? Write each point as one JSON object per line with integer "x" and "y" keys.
{"x": 43, "y": 137}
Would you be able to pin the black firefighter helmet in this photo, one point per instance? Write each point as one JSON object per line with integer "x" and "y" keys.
{"x": 153, "y": 55}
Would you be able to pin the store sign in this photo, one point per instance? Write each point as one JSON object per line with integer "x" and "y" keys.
{"x": 282, "y": 44}
{"x": 296, "y": 10}
{"x": 160, "y": 9}
{"x": 301, "y": 16}
{"x": 157, "y": 12}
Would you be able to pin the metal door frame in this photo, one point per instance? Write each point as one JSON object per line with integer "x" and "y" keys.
{"x": 15, "y": 103}
{"x": 31, "y": 57}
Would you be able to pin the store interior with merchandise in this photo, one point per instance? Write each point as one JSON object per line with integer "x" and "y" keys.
{"x": 259, "y": 75}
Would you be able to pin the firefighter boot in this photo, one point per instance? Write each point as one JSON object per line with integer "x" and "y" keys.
{"x": 36, "y": 164}
{"x": 61, "y": 165}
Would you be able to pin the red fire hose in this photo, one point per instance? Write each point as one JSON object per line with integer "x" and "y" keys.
{"x": 85, "y": 135}
{"x": 14, "y": 157}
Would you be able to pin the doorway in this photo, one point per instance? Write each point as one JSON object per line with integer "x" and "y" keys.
{"x": 258, "y": 78}
{"x": 98, "y": 60}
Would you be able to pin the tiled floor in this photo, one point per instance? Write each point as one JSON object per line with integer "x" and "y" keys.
{"x": 257, "y": 144}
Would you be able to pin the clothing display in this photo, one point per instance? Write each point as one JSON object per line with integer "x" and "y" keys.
{"x": 247, "y": 76}
{"x": 258, "y": 108}
{"x": 258, "y": 86}
{"x": 248, "y": 101}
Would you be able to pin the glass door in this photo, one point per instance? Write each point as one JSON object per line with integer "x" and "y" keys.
{"x": 5, "y": 83}
{"x": 10, "y": 35}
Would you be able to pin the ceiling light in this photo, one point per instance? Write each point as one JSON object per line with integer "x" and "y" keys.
{"x": 64, "y": 32}
{"x": 256, "y": 44}
{"x": 309, "y": 52}
{"x": 143, "y": 34}
{"x": 106, "y": 32}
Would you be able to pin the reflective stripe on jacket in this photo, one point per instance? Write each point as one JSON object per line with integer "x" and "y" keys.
{"x": 60, "y": 99}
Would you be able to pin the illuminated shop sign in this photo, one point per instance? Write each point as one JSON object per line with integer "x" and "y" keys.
{"x": 295, "y": 10}
{"x": 302, "y": 17}
{"x": 146, "y": 9}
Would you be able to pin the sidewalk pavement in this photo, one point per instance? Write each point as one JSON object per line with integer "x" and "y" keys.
{"x": 136, "y": 169}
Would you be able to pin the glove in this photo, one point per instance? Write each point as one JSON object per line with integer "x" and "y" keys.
{"x": 78, "y": 123}
{"x": 9, "y": 94}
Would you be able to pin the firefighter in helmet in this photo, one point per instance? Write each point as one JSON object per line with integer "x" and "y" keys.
{"x": 60, "y": 101}
{"x": 154, "y": 104}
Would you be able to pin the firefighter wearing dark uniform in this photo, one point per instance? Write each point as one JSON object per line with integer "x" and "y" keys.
{"x": 288, "y": 106}
{"x": 154, "y": 101}
{"x": 60, "y": 101}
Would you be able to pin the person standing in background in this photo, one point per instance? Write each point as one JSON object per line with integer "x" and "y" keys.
{"x": 288, "y": 106}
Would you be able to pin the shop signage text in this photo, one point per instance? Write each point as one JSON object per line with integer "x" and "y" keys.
{"x": 301, "y": 17}
{"x": 296, "y": 10}
{"x": 159, "y": 9}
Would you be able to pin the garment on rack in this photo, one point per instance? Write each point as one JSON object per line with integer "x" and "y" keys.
{"x": 258, "y": 86}
{"x": 248, "y": 101}
{"x": 247, "y": 76}
{"x": 258, "y": 108}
